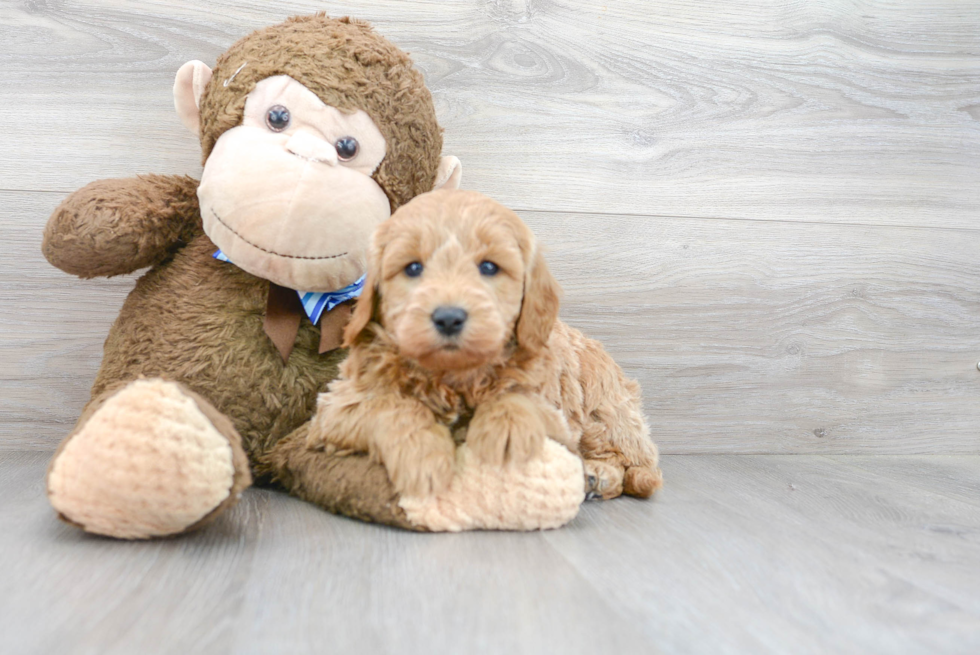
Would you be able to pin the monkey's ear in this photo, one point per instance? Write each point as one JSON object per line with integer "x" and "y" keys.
{"x": 449, "y": 175}
{"x": 189, "y": 85}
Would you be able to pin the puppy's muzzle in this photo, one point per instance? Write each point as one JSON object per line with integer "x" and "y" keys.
{"x": 449, "y": 321}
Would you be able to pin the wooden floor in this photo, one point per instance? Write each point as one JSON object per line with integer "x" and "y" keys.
{"x": 740, "y": 553}
{"x": 769, "y": 211}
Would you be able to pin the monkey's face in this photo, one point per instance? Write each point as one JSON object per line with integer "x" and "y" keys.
{"x": 288, "y": 195}
{"x": 312, "y": 131}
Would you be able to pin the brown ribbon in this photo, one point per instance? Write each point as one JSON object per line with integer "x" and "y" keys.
{"x": 284, "y": 312}
{"x": 332, "y": 326}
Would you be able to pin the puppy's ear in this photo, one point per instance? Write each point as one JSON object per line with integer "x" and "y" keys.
{"x": 364, "y": 311}
{"x": 366, "y": 308}
{"x": 539, "y": 307}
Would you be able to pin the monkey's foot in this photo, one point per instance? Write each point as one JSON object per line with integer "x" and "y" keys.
{"x": 545, "y": 492}
{"x": 150, "y": 460}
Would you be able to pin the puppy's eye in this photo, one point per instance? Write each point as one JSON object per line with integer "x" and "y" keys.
{"x": 277, "y": 118}
{"x": 488, "y": 268}
{"x": 347, "y": 148}
{"x": 414, "y": 269}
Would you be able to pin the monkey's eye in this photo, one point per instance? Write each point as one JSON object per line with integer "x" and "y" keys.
{"x": 277, "y": 118}
{"x": 347, "y": 148}
{"x": 488, "y": 268}
{"x": 414, "y": 269}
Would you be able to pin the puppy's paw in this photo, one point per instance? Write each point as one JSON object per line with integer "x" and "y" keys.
{"x": 323, "y": 433}
{"x": 642, "y": 481}
{"x": 421, "y": 463}
{"x": 510, "y": 429}
{"x": 603, "y": 479}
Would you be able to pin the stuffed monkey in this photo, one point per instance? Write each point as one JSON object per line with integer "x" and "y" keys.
{"x": 312, "y": 132}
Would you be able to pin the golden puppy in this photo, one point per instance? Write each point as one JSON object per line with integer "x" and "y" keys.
{"x": 457, "y": 337}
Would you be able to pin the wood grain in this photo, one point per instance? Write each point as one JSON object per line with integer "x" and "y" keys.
{"x": 738, "y": 554}
{"x": 862, "y": 112}
{"x": 763, "y": 552}
{"x": 408, "y": 593}
{"x": 52, "y": 326}
{"x": 62, "y": 590}
{"x": 771, "y": 337}
{"x": 766, "y": 210}
{"x": 747, "y": 336}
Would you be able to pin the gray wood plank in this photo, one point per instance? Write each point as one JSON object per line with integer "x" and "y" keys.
{"x": 52, "y": 326}
{"x": 812, "y": 112}
{"x": 738, "y": 554}
{"x": 949, "y": 476}
{"x": 753, "y": 336}
{"x": 373, "y": 589}
{"x": 786, "y": 554}
{"x": 64, "y": 591}
{"x": 747, "y": 336}
{"x": 279, "y": 575}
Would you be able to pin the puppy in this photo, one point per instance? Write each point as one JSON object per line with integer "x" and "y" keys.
{"x": 456, "y": 338}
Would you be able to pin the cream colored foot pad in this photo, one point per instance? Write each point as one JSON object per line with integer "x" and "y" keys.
{"x": 546, "y": 493}
{"x": 147, "y": 463}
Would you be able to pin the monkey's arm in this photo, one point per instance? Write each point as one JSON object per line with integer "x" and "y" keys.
{"x": 545, "y": 493}
{"x": 111, "y": 227}
{"x": 347, "y": 483}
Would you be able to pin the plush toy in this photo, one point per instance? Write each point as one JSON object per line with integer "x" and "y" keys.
{"x": 312, "y": 132}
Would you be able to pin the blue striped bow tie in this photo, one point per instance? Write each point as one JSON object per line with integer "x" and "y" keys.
{"x": 316, "y": 302}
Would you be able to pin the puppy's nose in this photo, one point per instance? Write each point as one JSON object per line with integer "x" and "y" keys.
{"x": 449, "y": 320}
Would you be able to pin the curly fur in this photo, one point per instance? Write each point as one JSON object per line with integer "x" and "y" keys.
{"x": 513, "y": 377}
{"x": 141, "y": 221}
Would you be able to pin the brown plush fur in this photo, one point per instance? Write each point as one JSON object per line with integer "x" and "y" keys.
{"x": 348, "y": 66}
{"x": 191, "y": 318}
{"x": 197, "y": 321}
{"x": 340, "y": 482}
{"x": 516, "y": 373}
{"x": 114, "y": 227}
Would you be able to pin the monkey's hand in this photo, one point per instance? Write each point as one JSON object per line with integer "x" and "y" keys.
{"x": 112, "y": 227}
